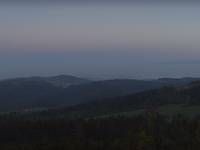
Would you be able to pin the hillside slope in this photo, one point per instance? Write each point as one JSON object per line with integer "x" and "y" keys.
{"x": 39, "y": 92}
{"x": 187, "y": 96}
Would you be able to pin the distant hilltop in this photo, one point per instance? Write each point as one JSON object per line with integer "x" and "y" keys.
{"x": 66, "y": 90}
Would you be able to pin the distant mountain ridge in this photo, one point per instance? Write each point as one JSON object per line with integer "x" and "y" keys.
{"x": 64, "y": 90}
{"x": 59, "y": 80}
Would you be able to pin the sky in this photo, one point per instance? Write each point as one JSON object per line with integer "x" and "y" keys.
{"x": 100, "y": 41}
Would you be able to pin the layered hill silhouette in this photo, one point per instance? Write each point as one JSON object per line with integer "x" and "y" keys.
{"x": 58, "y": 81}
{"x": 61, "y": 91}
{"x": 168, "y": 97}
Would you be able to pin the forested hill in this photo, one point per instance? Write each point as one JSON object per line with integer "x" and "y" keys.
{"x": 58, "y": 81}
{"x": 187, "y": 95}
{"x": 59, "y": 91}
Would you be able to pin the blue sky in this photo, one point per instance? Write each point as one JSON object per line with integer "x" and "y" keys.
{"x": 109, "y": 41}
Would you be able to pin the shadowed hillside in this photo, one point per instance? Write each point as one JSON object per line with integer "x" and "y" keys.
{"x": 184, "y": 96}
{"x": 61, "y": 91}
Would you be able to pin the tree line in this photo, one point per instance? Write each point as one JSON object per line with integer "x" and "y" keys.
{"x": 145, "y": 132}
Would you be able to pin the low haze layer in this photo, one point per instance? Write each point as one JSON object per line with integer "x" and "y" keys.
{"x": 101, "y": 41}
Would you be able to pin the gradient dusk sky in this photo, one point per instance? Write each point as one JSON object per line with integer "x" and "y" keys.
{"x": 100, "y": 41}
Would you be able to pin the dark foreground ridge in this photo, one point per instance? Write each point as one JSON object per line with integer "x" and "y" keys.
{"x": 101, "y": 125}
{"x": 148, "y": 132}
